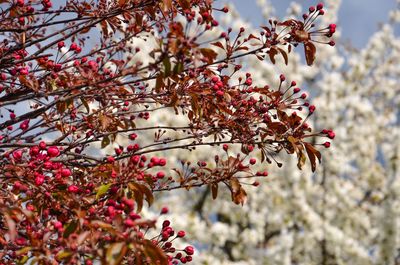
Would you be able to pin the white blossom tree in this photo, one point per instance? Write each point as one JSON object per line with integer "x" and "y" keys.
{"x": 347, "y": 212}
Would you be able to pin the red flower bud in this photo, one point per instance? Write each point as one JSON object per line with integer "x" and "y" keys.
{"x": 225, "y": 147}
{"x": 118, "y": 151}
{"x": 160, "y": 175}
{"x": 20, "y": 241}
{"x": 332, "y": 28}
{"x": 53, "y": 151}
{"x": 162, "y": 162}
{"x": 65, "y": 172}
{"x": 39, "y": 180}
{"x": 34, "y": 150}
{"x": 129, "y": 223}
{"x": 73, "y": 46}
{"x": 61, "y": 44}
{"x": 164, "y": 210}
{"x": 249, "y": 81}
{"x": 57, "y": 225}
{"x": 73, "y": 189}
{"x": 24, "y": 125}
{"x": 20, "y": 3}
{"x": 189, "y": 250}
{"x": 181, "y": 234}
{"x": 166, "y": 223}
{"x": 214, "y": 79}
{"x": 42, "y": 145}
{"x": 331, "y": 135}
{"x": 17, "y": 154}
{"x": 133, "y": 136}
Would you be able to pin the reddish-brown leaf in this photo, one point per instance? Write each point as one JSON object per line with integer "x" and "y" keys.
{"x": 115, "y": 253}
{"x": 312, "y": 154}
{"x": 301, "y": 159}
{"x": 293, "y": 141}
{"x": 214, "y": 190}
{"x": 284, "y": 55}
{"x": 105, "y": 121}
{"x": 267, "y": 29}
{"x": 272, "y": 53}
{"x": 245, "y": 48}
{"x": 251, "y": 36}
{"x": 167, "y": 4}
{"x": 218, "y": 44}
{"x": 309, "y": 50}
{"x": 155, "y": 254}
{"x": 239, "y": 195}
{"x": 141, "y": 193}
{"x": 210, "y": 54}
{"x": 159, "y": 83}
{"x": 185, "y": 4}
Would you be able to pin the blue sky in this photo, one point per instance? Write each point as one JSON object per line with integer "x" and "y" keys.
{"x": 358, "y": 19}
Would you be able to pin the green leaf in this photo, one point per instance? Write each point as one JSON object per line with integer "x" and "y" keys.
{"x": 23, "y": 251}
{"x": 167, "y": 67}
{"x": 102, "y": 190}
{"x": 115, "y": 253}
{"x": 23, "y": 260}
{"x": 63, "y": 254}
{"x": 178, "y": 68}
{"x": 34, "y": 261}
{"x": 70, "y": 229}
{"x": 105, "y": 142}
{"x": 84, "y": 102}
